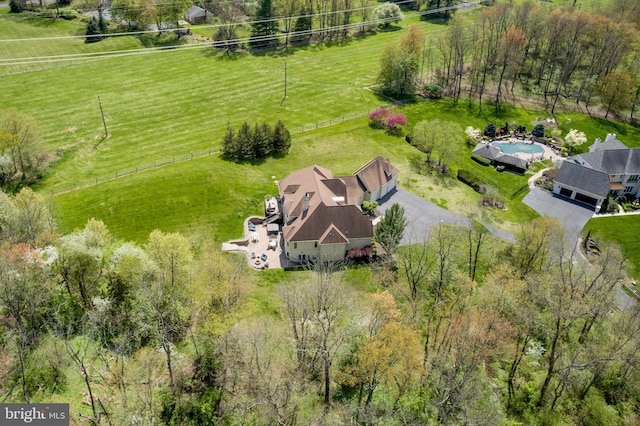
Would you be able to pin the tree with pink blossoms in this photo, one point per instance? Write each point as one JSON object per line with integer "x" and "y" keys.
{"x": 394, "y": 121}
{"x": 378, "y": 117}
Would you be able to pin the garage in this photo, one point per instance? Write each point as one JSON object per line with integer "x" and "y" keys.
{"x": 586, "y": 199}
{"x": 566, "y": 192}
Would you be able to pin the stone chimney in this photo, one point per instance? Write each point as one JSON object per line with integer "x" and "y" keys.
{"x": 306, "y": 202}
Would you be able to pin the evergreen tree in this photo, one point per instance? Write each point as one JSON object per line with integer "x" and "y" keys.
{"x": 229, "y": 145}
{"x": 490, "y": 130}
{"x": 390, "y": 229}
{"x": 17, "y": 6}
{"x": 264, "y": 27}
{"x": 302, "y": 28}
{"x": 261, "y": 140}
{"x": 281, "y": 139}
{"x": 244, "y": 141}
{"x": 102, "y": 25}
{"x": 93, "y": 29}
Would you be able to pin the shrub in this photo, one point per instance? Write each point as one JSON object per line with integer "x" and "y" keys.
{"x": 490, "y": 130}
{"x": 369, "y": 206}
{"x": 433, "y": 91}
{"x": 387, "y": 13}
{"x": 481, "y": 160}
{"x": 68, "y": 14}
{"x": 538, "y": 130}
{"x": 16, "y": 6}
{"x": 470, "y": 179}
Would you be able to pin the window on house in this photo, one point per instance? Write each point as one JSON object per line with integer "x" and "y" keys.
{"x": 628, "y": 189}
{"x": 315, "y": 244}
{"x": 295, "y": 245}
{"x": 633, "y": 178}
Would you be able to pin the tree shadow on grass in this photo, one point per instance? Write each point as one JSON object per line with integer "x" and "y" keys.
{"x": 223, "y": 54}
{"x": 619, "y": 128}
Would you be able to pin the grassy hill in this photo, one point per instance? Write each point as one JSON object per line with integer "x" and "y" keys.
{"x": 169, "y": 104}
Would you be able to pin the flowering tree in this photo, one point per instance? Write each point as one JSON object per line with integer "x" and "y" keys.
{"x": 394, "y": 121}
{"x": 378, "y": 117}
{"x": 473, "y": 134}
{"x": 575, "y": 138}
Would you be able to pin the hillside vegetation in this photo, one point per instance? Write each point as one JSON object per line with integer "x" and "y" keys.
{"x": 116, "y": 298}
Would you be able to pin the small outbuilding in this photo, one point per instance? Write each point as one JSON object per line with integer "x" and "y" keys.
{"x": 195, "y": 15}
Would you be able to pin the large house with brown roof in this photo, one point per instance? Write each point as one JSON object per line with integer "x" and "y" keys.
{"x": 322, "y": 213}
{"x": 608, "y": 168}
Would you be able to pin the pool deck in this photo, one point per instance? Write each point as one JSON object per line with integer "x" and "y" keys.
{"x": 548, "y": 152}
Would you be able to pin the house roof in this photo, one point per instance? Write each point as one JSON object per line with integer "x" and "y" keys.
{"x": 583, "y": 178}
{"x": 613, "y": 161}
{"x": 487, "y": 151}
{"x": 323, "y": 207}
{"x": 492, "y": 153}
{"x": 513, "y": 160}
{"x": 195, "y": 12}
{"x": 376, "y": 173}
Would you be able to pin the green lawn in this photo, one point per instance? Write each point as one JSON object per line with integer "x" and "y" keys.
{"x": 621, "y": 230}
{"x": 168, "y": 104}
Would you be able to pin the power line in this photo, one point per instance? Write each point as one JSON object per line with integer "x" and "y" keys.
{"x": 232, "y": 24}
{"x": 220, "y": 44}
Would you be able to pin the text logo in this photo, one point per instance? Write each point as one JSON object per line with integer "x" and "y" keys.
{"x": 34, "y": 414}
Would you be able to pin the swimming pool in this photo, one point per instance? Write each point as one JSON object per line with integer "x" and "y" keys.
{"x": 511, "y": 148}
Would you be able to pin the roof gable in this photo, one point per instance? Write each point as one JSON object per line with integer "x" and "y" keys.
{"x": 376, "y": 173}
{"x": 584, "y": 178}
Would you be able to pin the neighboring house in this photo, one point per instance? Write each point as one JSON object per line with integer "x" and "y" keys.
{"x": 608, "y": 168}
{"x": 499, "y": 158}
{"x": 195, "y": 15}
{"x": 322, "y": 216}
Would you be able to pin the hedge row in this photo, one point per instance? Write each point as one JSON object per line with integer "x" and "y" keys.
{"x": 470, "y": 179}
{"x": 481, "y": 160}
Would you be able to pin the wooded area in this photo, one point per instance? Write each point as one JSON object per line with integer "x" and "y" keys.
{"x": 461, "y": 329}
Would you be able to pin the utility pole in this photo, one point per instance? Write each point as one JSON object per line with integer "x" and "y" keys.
{"x": 285, "y": 83}
{"x": 103, "y": 121}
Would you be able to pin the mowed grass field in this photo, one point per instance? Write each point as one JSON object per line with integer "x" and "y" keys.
{"x": 620, "y": 230}
{"x": 164, "y": 105}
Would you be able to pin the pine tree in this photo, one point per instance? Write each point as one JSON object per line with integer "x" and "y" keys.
{"x": 281, "y": 139}
{"x": 93, "y": 29}
{"x": 264, "y": 27}
{"x": 17, "y": 6}
{"x": 302, "y": 28}
{"x": 244, "y": 141}
{"x": 229, "y": 145}
{"x": 260, "y": 140}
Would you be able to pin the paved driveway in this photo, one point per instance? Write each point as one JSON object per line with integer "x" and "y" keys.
{"x": 574, "y": 216}
{"x": 421, "y": 215}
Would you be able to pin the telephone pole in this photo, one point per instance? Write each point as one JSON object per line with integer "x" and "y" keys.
{"x": 103, "y": 121}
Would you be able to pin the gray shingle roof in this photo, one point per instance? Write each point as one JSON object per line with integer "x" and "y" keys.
{"x": 614, "y": 161}
{"x": 487, "y": 151}
{"x": 583, "y": 178}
